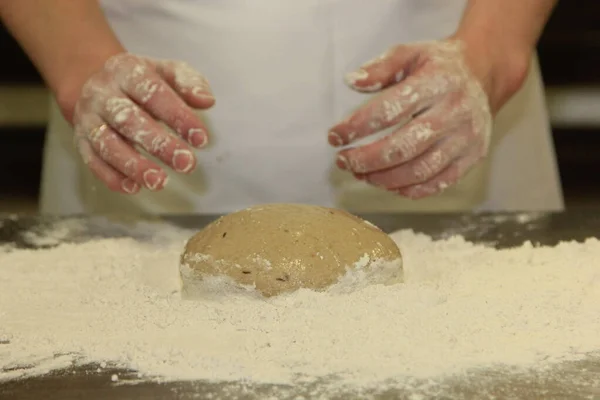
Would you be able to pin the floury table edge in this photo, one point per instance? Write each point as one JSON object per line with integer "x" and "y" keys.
{"x": 496, "y": 229}
{"x": 573, "y": 380}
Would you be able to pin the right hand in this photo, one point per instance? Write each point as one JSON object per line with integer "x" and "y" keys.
{"x": 119, "y": 109}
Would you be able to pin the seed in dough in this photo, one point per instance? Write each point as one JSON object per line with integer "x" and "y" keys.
{"x": 280, "y": 248}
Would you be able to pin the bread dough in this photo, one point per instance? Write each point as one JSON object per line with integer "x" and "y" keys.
{"x": 280, "y": 248}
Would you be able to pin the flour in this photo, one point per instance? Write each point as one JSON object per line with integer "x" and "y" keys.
{"x": 52, "y": 235}
{"x": 462, "y": 307}
{"x": 490, "y": 222}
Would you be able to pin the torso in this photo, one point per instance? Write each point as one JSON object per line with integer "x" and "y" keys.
{"x": 276, "y": 68}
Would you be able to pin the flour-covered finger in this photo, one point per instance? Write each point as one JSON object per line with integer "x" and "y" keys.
{"x": 112, "y": 179}
{"x": 392, "y": 106}
{"x": 120, "y": 155}
{"x": 140, "y": 80}
{"x": 399, "y": 147}
{"x": 189, "y": 83}
{"x": 422, "y": 168}
{"x": 162, "y": 103}
{"x": 387, "y": 69}
{"x": 445, "y": 179}
{"x": 129, "y": 120}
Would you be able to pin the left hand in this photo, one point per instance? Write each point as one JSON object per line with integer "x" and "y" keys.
{"x": 439, "y": 111}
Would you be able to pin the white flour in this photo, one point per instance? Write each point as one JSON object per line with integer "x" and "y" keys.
{"x": 463, "y": 306}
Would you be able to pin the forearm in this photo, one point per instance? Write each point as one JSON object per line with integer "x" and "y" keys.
{"x": 516, "y": 24}
{"x": 505, "y": 31}
{"x": 66, "y": 40}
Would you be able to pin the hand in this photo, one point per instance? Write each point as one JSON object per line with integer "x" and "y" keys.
{"x": 119, "y": 109}
{"x": 438, "y": 111}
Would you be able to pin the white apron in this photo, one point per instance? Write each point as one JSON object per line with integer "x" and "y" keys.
{"x": 276, "y": 68}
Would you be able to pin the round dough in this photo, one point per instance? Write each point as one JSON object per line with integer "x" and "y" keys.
{"x": 280, "y": 248}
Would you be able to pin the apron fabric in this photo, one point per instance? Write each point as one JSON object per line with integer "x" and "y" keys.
{"x": 276, "y": 68}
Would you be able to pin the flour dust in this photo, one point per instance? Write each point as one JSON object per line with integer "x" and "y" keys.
{"x": 462, "y": 307}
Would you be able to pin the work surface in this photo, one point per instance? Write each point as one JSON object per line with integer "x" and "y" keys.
{"x": 575, "y": 380}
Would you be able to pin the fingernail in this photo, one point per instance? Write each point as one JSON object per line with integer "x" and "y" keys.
{"x": 342, "y": 162}
{"x": 183, "y": 160}
{"x": 353, "y": 77}
{"x": 360, "y": 177}
{"x": 197, "y": 138}
{"x": 335, "y": 139}
{"x": 152, "y": 179}
{"x": 373, "y": 88}
{"x": 206, "y": 97}
{"x": 201, "y": 93}
{"x": 130, "y": 186}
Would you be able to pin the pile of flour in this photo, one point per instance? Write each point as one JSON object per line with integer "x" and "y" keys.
{"x": 463, "y": 306}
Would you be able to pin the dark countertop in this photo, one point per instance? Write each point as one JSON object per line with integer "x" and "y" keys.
{"x": 573, "y": 380}
{"x": 502, "y": 229}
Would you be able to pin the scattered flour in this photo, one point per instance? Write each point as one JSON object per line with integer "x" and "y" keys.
{"x": 489, "y": 222}
{"x": 463, "y": 306}
{"x": 53, "y": 234}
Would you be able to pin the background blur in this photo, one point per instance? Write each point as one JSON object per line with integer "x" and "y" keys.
{"x": 569, "y": 54}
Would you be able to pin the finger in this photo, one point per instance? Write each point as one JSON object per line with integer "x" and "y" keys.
{"x": 151, "y": 92}
{"x": 391, "y": 107}
{"x": 190, "y": 84}
{"x": 113, "y": 179}
{"x": 389, "y": 68}
{"x": 422, "y": 168}
{"x": 120, "y": 155}
{"x": 399, "y": 147}
{"x": 129, "y": 120}
{"x": 445, "y": 179}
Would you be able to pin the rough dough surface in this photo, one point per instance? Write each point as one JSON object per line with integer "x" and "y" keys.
{"x": 279, "y": 248}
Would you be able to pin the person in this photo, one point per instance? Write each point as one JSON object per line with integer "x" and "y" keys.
{"x": 192, "y": 106}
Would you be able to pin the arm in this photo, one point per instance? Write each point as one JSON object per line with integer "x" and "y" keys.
{"x": 501, "y": 36}
{"x": 440, "y": 98}
{"x": 77, "y": 41}
{"x": 114, "y": 100}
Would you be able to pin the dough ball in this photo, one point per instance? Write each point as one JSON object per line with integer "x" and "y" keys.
{"x": 280, "y": 248}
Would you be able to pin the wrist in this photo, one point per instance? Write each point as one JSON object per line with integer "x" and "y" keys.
{"x": 500, "y": 63}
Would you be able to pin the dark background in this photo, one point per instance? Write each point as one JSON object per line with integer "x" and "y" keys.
{"x": 569, "y": 53}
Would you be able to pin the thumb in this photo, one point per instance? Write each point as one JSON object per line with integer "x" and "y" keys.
{"x": 388, "y": 69}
